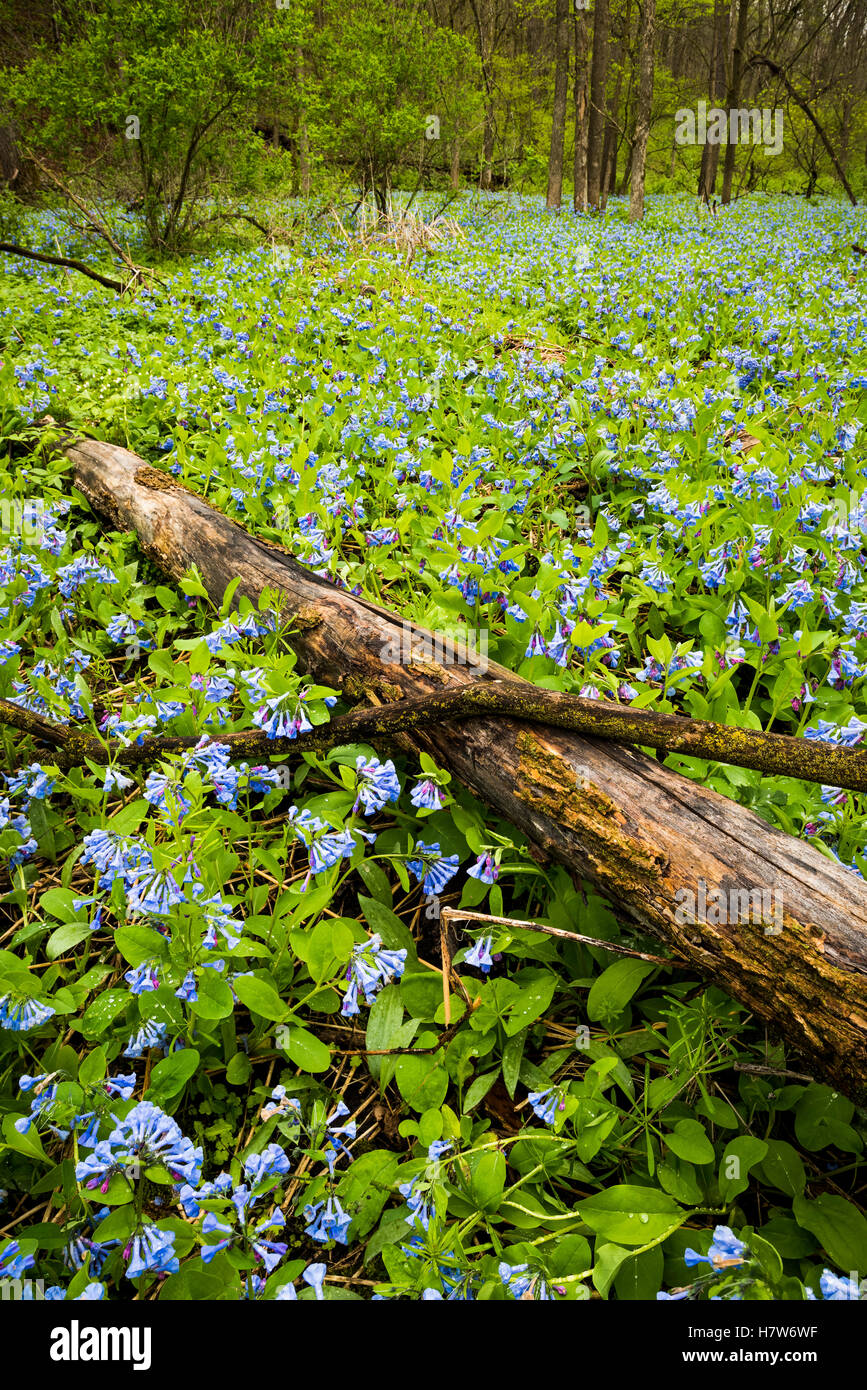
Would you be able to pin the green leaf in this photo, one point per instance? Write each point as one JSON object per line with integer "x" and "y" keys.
{"x": 487, "y": 1180}
{"x": 513, "y": 1055}
{"x": 766, "y": 1256}
{"x": 629, "y": 1215}
{"x": 375, "y": 881}
{"x": 58, "y": 901}
{"x": 199, "y": 659}
{"x": 607, "y": 1261}
{"x": 329, "y": 948}
{"x": 214, "y": 996}
{"x": 690, "y": 1142}
{"x": 93, "y": 1067}
{"x": 739, "y": 1156}
{"x": 65, "y": 937}
{"x": 536, "y": 990}
{"x": 239, "y": 1069}
{"x": 366, "y": 1187}
{"x": 104, "y": 1009}
{"x": 640, "y": 1277}
{"x": 613, "y": 989}
{"x": 783, "y": 1168}
{"x": 139, "y": 944}
{"x": 822, "y": 1117}
{"x": 306, "y": 1050}
{"x": 422, "y": 1081}
{"x": 29, "y": 1144}
{"x": 385, "y": 1017}
{"x": 260, "y": 997}
{"x": 118, "y": 1224}
{"x": 839, "y": 1227}
{"x": 478, "y": 1090}
{"x": 395, "y": 933}
{"x": 430, "y": 1127}
{"x": 171, "y": 1075}
{"x": 421, "y": 994}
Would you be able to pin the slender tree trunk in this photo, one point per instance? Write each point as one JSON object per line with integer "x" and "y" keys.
{"x": 303, "y": 141}
{"x": 598, "y": 85}
{"x": 486, "y": 176}
{"x": 716, "y": 87}
{"x": 610, "y": 143}
{"x": 558, "y": 112}
{"x": 740, "y": 10}
{"x": 579, "y": 166}
{"x": 10, "y": 157}
{"x": 484, "y": 42}
{"x": 643, "y": 111}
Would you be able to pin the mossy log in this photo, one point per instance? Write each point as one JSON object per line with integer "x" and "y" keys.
{"x": 672, "y": 856}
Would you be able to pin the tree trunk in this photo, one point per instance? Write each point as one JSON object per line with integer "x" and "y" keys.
{"x": 303, "y": 145}
{"x": 716, "y": 87}
{"x": 558, "y": 110}
{"x": 644, "y": 836}
{"x": 485, "y": 177}
{"x": 598, "y": 85}
{"x": 455, "y": 170}
{"x": 579, "y": 165}
{"x": 643, "y": 111}
{"x": 733, "y": 95}
{"x": 11, "y": 161}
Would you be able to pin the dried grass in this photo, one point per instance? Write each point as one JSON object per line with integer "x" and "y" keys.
{"x": 547, "y": 352}
{"x": 406, "y": 231}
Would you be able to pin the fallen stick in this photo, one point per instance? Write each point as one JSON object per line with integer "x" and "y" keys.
{"x": 482, "y": 919}
{"x": 660, "y": 846}
{"x": 67, "y": 262}
{"x": 777, "y": 754}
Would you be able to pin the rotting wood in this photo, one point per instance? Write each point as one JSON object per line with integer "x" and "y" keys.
{"x": 642, "y": 834}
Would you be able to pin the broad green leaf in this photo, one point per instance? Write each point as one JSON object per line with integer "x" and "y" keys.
{"x": 260, "y": 997}
{"x": 171, "y": 1075}
{"x": 613, "y": 989}
{"x": 839, "y": 1227}
{"x": 306, "y": 1050}
{"x": 630, "y": 1215}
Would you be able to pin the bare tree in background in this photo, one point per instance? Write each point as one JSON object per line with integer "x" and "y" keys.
{"x": 598, "y": 84}
{"x": 580, "y": 93}
{"x": 740, "y": 11}
{"x": 558, "y": 114}
{"x": 643, "y": 111}
{"x": 716, "y": 87}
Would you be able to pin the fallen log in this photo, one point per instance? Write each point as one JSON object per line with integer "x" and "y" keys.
{"x": 679, "y": 860}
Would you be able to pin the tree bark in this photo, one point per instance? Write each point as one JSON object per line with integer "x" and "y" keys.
{"x": 644, "y": 110}
{"x": 9, "y": 248}
{"x": 716, "y": 87}
{"x": 645, "y": 837}
{"x": 598, "y": 85}
{"x": 579, "y": 89}
{"x": 733, "y": 95}
{"x": 303, "y": 144}
{"x": 558, "y": 110}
